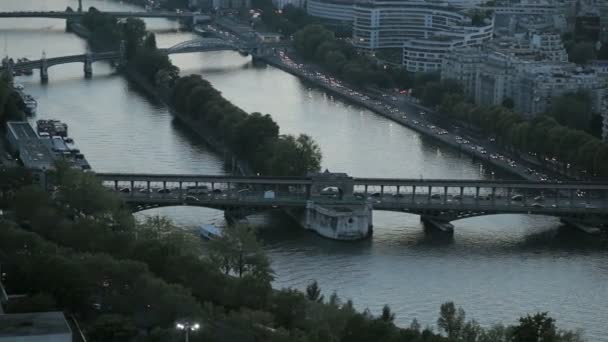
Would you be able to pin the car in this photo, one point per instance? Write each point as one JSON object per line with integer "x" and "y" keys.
{"x": 164, "y": 191}
{"x": 537, "y": 205}
{"x": 436, "y": 196}
{"x": 145, "y": 191}
{"x": 125, "y": 190}
{"x": 457, "y": 197}
{"x": 192, "y": 198}
{"x": 216, "y": 191}
{"x": 399, "y": 195}
{"x": 376, "y": 194}
{"x": 539, "y": 199}
{"x": 590, "y": 206}
{"x": 517, "y": 198}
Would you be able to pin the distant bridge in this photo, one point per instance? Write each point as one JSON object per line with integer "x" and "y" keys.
{"x": 195, "y": 45}
{"x": 439, "y": 200}
{"x": 121, "y": 14}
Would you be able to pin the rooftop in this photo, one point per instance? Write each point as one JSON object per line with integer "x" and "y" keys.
{"x": 33, "y": 324}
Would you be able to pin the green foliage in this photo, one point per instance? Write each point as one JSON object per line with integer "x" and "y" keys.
{"x": 104, "y": 29}
{"x": 572, "y": 110}
{"x": 314, "y": 42}
{"x": 9, "y": 103}
{"x": 543, "y": 135}
{"x": 254, "y": 138}
{"x": 290, "y": 156}
{"x": 238, "y": 252}
{"x": 313, "y": 292}
{"x": 582, "y": 52}
{"x": 451, "y": 320}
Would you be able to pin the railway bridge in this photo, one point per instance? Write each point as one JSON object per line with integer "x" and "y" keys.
{"x": 339, "y": 206}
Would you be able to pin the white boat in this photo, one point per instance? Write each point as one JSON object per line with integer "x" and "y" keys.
{"x": 18, "y": 86}
{"x": 210, "y": 232}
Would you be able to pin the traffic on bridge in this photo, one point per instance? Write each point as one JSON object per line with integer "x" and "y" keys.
{"x": 436, "y": 200}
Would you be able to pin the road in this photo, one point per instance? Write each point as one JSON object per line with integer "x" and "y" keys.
{"x": 530, "y": 202}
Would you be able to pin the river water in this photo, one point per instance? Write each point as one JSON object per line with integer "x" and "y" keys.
{"x": 496, "y": 267}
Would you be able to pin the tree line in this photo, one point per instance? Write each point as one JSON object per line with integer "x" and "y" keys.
{"x": 78, "y": 249}
{"x": 543, "y": 135}
{"x": 338, "y": 56}
{"x": 11, "y": 105}
{"x": 253, "y": 137}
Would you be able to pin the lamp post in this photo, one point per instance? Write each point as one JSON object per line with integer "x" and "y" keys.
{"x": 187, "y": 327}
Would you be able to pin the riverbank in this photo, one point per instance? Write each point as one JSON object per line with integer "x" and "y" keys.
{"x": 405, "y": 120}
{"x": 231, "y": 161}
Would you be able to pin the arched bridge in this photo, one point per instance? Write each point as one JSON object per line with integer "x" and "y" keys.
{"x": 206, "y": 44}
{"x": 195, "y": 45}
{"x": 440, "y": 200}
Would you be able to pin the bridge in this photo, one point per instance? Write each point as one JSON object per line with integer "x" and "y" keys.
{"x": 335, "y": 205}
{"x": 131, "y": 14}
{"x": 195, "y": 45}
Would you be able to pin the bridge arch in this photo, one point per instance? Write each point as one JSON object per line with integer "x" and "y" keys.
{"x": 204, "y": 44}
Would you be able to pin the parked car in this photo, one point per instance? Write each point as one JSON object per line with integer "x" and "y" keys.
{"x": 164, "y": 191}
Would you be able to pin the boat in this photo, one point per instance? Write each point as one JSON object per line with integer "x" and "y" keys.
{"x": 210, "y": 232}
{"x": 18, "y": 86}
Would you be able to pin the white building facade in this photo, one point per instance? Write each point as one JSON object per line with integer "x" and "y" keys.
{"x": 332, "y": 10}
{"x": 424, "y": 30}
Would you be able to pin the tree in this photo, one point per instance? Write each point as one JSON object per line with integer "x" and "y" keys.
{"x": 134, "y": 31}
{"x": 572, "y": 110}
{"x": 508, "y": 103}
{"x": 582, "y": 52}
{"x": 451, "y": 320}
{"x": 239, "y": 252}
{"x": 289, "y": 308}
{"x": 254, "y": 133}
{"x": 150, "y": 41}
{"x": 294, "y": 157}
{"x": 387, "y": 315}
{"x": 537, "y": 328}
{"x": 313, "y": 292}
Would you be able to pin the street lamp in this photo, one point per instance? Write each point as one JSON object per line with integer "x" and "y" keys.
{"x": 187, "y": 327}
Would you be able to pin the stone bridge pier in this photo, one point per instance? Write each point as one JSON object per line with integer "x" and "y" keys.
{"x": 88, "y": 66}
{"x": 44, "y": 69}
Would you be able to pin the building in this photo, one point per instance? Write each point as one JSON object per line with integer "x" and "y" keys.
{"x": 282, "y": 3}
{"x": 333, "y": 12}
{"x": 424, "y": 30}
{"x": 24, "y": 143}
{"x": 537, "y": 86}
{"x": 231, "y": 4}
{"x": 35, "y": 327}
{"x": 550, "y": 46}
{"x": 461, "y": 65}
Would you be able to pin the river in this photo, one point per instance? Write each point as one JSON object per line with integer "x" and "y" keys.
{"x": 497, "y": 267}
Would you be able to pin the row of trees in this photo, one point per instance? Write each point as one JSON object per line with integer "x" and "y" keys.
{"x": 543, "y": 135}
{"x": 339, "y": 57}
{"x": 253, "y": 137}
{"x": 116, "y": 278}
{"x": 9, "y": 103}
{"x": 287, "y": 21}
{"x": 105, "y": 31}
